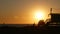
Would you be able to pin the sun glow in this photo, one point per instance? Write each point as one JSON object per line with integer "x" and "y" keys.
{"x": 39, "y": 15}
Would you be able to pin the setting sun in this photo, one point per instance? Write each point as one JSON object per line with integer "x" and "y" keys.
{"x": 39, "y": 15}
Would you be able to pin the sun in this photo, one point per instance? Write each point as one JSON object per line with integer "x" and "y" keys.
{"x": 39, "y": 15}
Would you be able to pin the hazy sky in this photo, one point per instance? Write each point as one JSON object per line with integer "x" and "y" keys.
{"x": 21, "y": 11}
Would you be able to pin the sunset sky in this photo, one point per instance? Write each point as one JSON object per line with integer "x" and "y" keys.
{"x": 23, "y": 11}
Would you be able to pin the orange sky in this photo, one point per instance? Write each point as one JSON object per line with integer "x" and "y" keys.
{"x": 22, "y": 11}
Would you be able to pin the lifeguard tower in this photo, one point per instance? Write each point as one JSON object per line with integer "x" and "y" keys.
{"x": 54, "y": 20}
